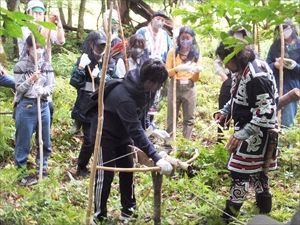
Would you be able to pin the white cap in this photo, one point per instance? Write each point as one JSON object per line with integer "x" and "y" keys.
{"x": 35, "y": 3}
{"x": 113, "y": 16}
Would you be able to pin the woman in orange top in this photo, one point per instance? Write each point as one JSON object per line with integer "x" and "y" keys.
{"x": 186, "y": 72}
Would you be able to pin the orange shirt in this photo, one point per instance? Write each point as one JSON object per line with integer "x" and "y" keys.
{"x": 178, "y": 61}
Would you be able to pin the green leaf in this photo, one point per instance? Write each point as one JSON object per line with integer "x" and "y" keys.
{"x": 38, "y": 37}
{"x": 47, "y": 25}
{"x": 12, "y": 28}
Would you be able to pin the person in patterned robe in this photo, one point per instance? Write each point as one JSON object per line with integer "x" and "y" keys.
{"x": 253, "y": 106}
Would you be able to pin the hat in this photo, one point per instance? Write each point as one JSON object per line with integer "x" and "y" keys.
{"x": 114, "y": 15}
{"x": 160, "y": 13}
{"x": 35, "y": 5}
{"x": 101, "y": 37}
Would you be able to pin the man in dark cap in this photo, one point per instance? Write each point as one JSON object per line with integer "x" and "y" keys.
{"x": 158, "y": 43}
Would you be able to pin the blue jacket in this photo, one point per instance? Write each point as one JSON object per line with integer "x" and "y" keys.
{"x": 291, "y": 78}
{"x": 124, "y": 109}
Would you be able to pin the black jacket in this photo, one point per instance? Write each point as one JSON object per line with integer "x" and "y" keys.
{"x": 124, "y": 109}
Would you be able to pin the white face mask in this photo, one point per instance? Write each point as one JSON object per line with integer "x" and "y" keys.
{"x": 287, "y": 33}
{"x": 39, "y": 53}
{"x": 157, "y": 24}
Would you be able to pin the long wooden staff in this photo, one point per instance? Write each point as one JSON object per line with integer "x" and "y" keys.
{"x": 38, "y": 111}
{"x": 100, "y": 119}
{"x": 174, "y": 87}
{"x": 281, "y": 69}
{"x": 122, "y": 36}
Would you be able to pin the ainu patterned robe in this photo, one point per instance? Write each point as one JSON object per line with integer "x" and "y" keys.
{"x": 253, "y": 101}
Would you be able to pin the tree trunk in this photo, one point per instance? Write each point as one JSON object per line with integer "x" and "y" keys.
{"x": 70, "y": 12}
{"x": 81, "y": 20}
{"x": 61, "y": 12}
{"x": 12, "y": 5}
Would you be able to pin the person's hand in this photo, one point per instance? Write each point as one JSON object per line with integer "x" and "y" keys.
{"x": 84, "y": 60}
{"x": 161, "y": 134}
{"x": 54, "y": 16}
{"x": 166, "y": 167}
{"x": 187, "y": 67}
{"x": 289, "y": 63}
{"x": 95, "y": 71}
{"x": 233, "y": 144}
{"x": 2, "y": 72}
{"x": 219, "y": 116}
{"x": 35, "y": 76}
{"x": 39, "y": 90}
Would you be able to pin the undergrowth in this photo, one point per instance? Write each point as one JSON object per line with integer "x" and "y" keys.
{"x": 187, "y": 198}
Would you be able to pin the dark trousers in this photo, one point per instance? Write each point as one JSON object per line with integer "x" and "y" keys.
{"x": 104, "y": 179}
{"x": 224, "y": 97}
{"x": 87, "y": 147}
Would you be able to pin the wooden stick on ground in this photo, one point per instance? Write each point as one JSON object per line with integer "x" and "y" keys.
{"x": 100, "y": 119}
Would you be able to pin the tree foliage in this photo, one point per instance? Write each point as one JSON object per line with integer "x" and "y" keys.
{"x": 13, "y": 21}
{"x": 206, "y": 18}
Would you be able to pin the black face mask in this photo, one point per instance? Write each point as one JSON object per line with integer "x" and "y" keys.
{"x": 136, "y": 52}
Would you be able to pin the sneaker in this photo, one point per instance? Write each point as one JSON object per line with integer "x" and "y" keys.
{"x": 28, "y": 181}
{"x": 152, "y": 111}
{"x": 84, "y": 172}
{"x": 125, "y": 218}
{"x": 104, "y": 222}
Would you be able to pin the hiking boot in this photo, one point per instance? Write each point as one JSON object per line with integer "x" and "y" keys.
{"x": 28, "y": 181}
{"x": 84, "y": 172}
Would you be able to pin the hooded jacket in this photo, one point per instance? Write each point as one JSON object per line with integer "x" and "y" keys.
{"x": 125, "y": 108}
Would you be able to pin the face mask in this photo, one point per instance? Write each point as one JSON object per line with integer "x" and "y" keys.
{"x": 287, "y": 33}
{"x": 157, "y": 24}
{"x": 115, "y": 27}
{"x": 39, "y": 53}
{"x": 186, "y": 43}
{"x": 136, "y": 52}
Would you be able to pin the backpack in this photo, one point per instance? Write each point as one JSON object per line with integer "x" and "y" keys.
{"x": 90, "y": 106}
{"x": 77, "y": 81}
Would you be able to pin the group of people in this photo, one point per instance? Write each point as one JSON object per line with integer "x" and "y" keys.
{"x": 251, "y": 90}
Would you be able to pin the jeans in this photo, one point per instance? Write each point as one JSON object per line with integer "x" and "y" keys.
{"x": 7, "y": 81}
{"x": 288, "y": 114}
{"x": 26, "y": 124}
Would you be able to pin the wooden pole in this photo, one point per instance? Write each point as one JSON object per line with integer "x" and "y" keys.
{"x": 100, "y": 119}
{"x": 122, "y": 36}
{"x": 92, "y": 78}
{"x": 40, "y": 140}
{"x": 157, "y": 180}
{"x": 287, "y": 98}
{"x": 174, "y": 89}
{"x": 281, "y": 69}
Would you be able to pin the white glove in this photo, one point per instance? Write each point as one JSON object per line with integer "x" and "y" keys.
{"x": 166, "y": 167}
{"x": 198, "y": 69}
{"x": 95, "y": 71}
{"x": 39, "y": 90}
{"x": 160, "y": 134}
{"x": 289, "y": 63}
{"x": 185, "y": 67}
{"x": 189, "y": 67}
{"x": 84, "y": 60}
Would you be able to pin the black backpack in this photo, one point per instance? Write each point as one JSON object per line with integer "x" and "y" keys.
{"x": 90, "y": 106}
